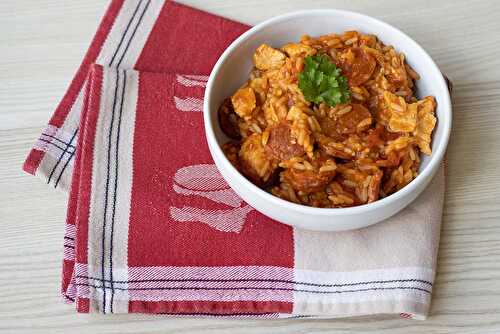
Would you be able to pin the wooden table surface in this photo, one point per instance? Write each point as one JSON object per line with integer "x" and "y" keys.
{"x": 41, "y": 45}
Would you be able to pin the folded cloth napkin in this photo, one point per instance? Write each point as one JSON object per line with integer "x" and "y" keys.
{"x": 152, "y": 227}
{"x": 157, "y": 229}
{"x": 148, "y": 35}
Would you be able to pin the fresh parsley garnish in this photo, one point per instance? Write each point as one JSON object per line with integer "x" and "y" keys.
{"x": 321, "y": 81}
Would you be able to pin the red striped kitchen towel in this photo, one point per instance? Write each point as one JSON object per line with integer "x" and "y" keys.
{"x": 147, "y": 35}
{"x": 152, "y": 227}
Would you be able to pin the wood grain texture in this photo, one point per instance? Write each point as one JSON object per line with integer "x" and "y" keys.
{"x": 41, "y": 45}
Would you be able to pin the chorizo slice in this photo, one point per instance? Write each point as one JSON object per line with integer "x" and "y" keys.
{"x": 357, "y": 65}
{"x": 281, "y": 145}
{"x": 348, "y": 122}
{"x": 228, "y": 120}
{"x": 255, "y": 162}
{"x": 329, "y": 128}
{"x": 307, "y": 181}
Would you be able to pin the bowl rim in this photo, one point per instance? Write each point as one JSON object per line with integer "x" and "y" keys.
{"x": 426, "y": 173}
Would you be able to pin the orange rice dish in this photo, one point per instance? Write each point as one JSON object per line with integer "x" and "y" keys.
{"x": 306, "y": 149}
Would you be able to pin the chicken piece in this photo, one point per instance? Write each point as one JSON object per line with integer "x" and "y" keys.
{"x": 281, "y": 145}
{"x": 426, "y": 121}
{"x": 266, "y": 58}
{"x": 228, "y": 120}
{"x": 402, "y": 116}
{"x": 404, "y": 122}
{"x": 357, "y": 65}
{"x": 296, "y": 49}
{"x": 244, "y": 102}
{"x": 260, "y": 87}
{"x": 255, "y": 162}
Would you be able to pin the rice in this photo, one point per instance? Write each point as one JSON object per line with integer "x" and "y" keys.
{"x": 341, "y": 199}
{"x": 349, "y": 183}
{"x": 330, "y": 156}
{"x": 299, "y": 166}
{"x": 308, "y": 165}
{"x": 364, "y": 123}
{"x": 265, "y": 137}
{"x": 313, "y": 124}
{"x": 357, "y": 96}
{"x": 344, "y": 110}
{"x": 255, "y": 127}
{"x": 351, "y": 41}
{"x": 324, "y": 169}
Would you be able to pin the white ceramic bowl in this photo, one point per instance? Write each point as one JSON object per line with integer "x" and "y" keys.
{"x": 232, "y": 70}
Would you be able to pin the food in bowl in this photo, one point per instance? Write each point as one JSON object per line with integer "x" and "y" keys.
{"x": 328, "y": 122}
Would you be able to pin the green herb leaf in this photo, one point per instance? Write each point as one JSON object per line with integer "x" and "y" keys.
{"x": 321, "y": 81}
